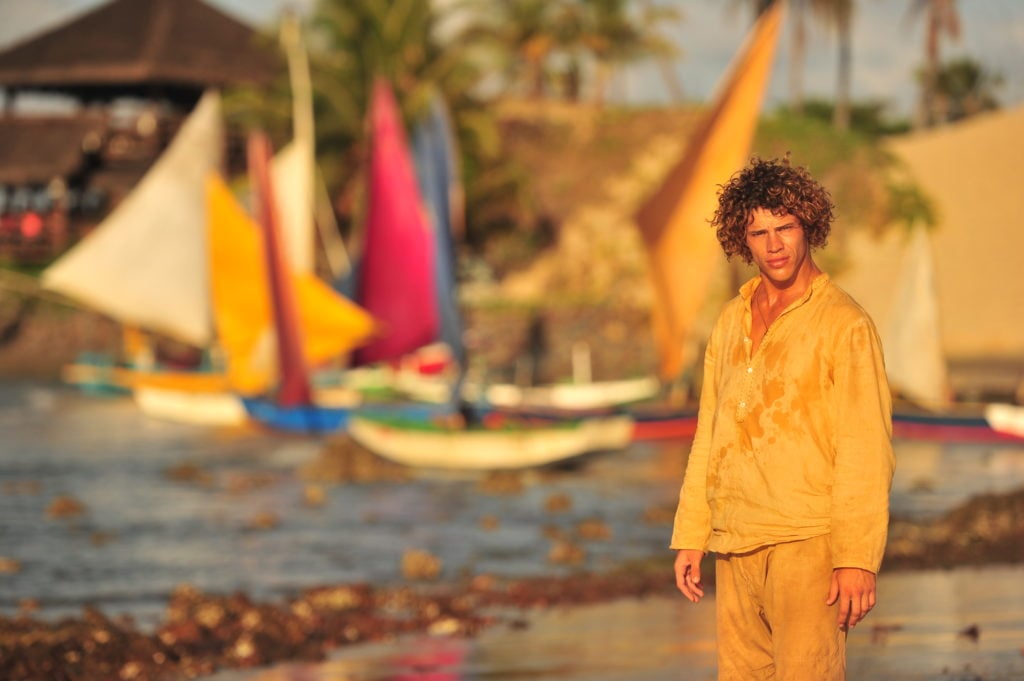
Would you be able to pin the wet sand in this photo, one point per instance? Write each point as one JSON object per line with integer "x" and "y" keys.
{"x": 921, "y": 630}
{"x": 962, "y": 624}
{"x": 661, "y": 637}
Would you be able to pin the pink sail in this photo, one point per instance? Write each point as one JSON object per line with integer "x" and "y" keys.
{"x": 396, "y": 276}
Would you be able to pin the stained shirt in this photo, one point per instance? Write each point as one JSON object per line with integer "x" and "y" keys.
{"x": 794, "y": 440}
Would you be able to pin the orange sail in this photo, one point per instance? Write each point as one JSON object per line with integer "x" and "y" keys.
{"x": 681, "y": 246}
{"x": 331, "y": 325}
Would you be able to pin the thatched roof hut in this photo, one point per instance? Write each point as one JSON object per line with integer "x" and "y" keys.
{"x": 35, "y": 150}
{"x": 147, "y": 48}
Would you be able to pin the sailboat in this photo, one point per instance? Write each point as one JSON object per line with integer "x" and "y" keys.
{"x": 179, "y": 258}
{"x": 145, "y": 266}
{"x": 296, "y": 319}
{"x": 245, "y": 336}
{"x": 899, "y": 291}
{"x": 974, "y": 308}
{"x": 407, "y": 281}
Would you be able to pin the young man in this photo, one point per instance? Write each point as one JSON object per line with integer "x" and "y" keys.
{"x": 789, "y": 474}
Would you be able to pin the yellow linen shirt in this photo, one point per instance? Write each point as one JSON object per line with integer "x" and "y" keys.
{"x": 794, "y": 440}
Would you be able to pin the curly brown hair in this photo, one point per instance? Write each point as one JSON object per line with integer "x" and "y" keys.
{"x": 779, "y": 187}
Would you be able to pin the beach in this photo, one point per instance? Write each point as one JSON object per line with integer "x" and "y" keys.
{"x": 921, "y": 629}
{"x": 141, "y": 549}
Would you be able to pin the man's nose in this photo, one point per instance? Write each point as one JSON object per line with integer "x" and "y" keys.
{"x": 774, "y": 242}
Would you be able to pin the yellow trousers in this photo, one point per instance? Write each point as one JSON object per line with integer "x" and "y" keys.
{"x": 772, "y": 619}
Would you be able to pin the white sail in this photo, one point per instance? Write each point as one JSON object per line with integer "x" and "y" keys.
{"x": 293, "y": 166}
{"x": 292, "y": 170}
{"x": 146, "y": 263}
{"x": 914, "y": 359}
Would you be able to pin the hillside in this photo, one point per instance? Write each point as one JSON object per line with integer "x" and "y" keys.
{"x": 588, "y": 171}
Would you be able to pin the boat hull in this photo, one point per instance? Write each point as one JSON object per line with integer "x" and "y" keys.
{"x": 489, "y": 448}
{"x": 185, "y": 406}
{"x": 308, "y": 418}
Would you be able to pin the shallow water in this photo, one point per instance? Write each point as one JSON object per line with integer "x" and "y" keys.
{"x": 912, "y": 635}
{"x": 141, "y": 534}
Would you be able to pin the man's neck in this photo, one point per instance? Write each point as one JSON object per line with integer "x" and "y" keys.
{"x": 782, "y": 293}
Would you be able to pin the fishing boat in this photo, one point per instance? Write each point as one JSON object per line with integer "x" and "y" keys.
{"x": 578, "y": 396}
{"x": 300, "y": 333}
{"x": 180, "y": 258}
{"x": 498, "y": 445}
{"x": 900, "y": 293}
{"x": 212, "y": 408}
{"x": 1007, "y": 419}
{"x": 145, "y": 266}
{"x": 651, "y": 420}
{"x": 977, "y": 424}
{"x": 583, "y": 395}
{"x": 407, "y": 280}
{"x": 663, "y": 422}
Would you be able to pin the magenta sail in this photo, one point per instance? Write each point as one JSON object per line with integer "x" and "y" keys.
{"x": 396, "y": 277}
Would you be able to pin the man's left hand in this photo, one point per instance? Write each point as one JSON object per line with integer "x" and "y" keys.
{"x": 855, "y": 590}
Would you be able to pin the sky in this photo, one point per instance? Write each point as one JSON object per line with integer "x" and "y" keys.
{"x": 888, "y": 46}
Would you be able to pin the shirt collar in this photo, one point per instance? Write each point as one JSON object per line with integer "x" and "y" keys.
{"x": 747, "y": 289}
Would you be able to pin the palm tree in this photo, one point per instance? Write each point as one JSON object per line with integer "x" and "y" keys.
{"x": 522, "y": 33}
{"x": 834, "y": 13}
{"x": 797, "y": 49}
{"x": 531, "y": 37}
{"x": 758, "y": 7}
{"x": 941, "y": 19}
{"x": 962, "y": 88}
{"x": 615, "y": 37}
{"x": 839, "y": 15}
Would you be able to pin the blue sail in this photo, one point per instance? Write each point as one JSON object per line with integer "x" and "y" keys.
{"x": 437, "y": 171}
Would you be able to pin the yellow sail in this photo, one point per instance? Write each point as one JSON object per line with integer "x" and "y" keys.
{"x": 681, "y": 246}
{"x": 332, "y": 326}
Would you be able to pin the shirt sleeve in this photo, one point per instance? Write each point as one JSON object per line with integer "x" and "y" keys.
{"x": 693, "y": 515}
{"x": 864, "y": 461}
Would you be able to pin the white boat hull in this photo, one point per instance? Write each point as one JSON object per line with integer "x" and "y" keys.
{"x": 570, "y": 396}
{"x": 531, "y": 445}
{"x": 182, "y": 406}
{"x": 1006, "y": 418}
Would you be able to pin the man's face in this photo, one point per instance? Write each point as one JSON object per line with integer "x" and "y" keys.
{"x": 777, "y": 245}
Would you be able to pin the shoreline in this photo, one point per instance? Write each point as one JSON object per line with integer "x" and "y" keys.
{"x": 202, "y": 633}
{"x": 38, "y": 340}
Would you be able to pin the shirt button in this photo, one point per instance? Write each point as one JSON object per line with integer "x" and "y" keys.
{"x": 750, "y": 370}
{"x": 743, "y": 404}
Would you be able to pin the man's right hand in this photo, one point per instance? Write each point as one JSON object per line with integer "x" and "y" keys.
{"x": 687, "y": 570}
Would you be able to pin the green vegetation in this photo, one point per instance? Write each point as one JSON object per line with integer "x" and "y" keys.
{"x": 963, "y": 87}
{"x": 868, "y": 184}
